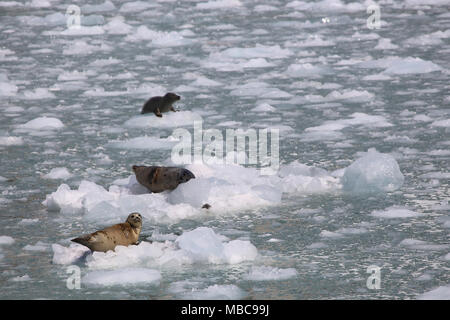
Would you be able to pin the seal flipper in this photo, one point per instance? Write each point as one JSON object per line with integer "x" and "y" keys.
{"x": 158, "y": 113}
{"x": 85, "y": 240}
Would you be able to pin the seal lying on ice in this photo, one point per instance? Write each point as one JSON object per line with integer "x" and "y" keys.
{"x": 158, "y": 104}
{"x": 158, "y": 179}
{"x": 122, "y": 234}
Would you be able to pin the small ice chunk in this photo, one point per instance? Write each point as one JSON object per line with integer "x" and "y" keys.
{"x": 126, "y": 276}
{"x": 441, "y": 123}
{"x": 219, "y": 4}
{"x": 144, "y": 143}
{"x": 264, "y": 107}
{"x": 6, "y": 240}
{"x": 395, "y": 212}
{"x": 203, "y": 244}
{"x": 38, "y": 93}
{"x": 237, "y": 251}
{"x": 215, "y": 292}
{"x": 7, "y": 88}
{"x": 265, "y": 273}
{"x": 42, "y": 123}
{"x": 21, "y": 278}
{"x": 11, "y": 141}
{"x": 440, "y": 293}
{"x": 70, "y": 255}
{"x": 411, "y": 65}
{"x": 58, "y": 173}
{"x": 422, "y": 245}
{"x": 374, "y": 172}
{"x": 38, "y": 246}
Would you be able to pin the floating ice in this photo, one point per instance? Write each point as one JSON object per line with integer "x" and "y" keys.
{"x": 201, "y": 245}
{"x": 68, "y": 255}
{"x": 412, "y": 65}
{"x": 135, "y": 6}
{"x": 205, "y": 82}
{"x": 158, "y": 38}
{"x": 58, "y": 173}
{"x": 395, "y": 212}
{"x": 264, "y": 107}
{"x": 117, "y": 25}
{"x": 260, "y": 89}
{"x": 81, "y": 47}
{"x": 102, "y": 7}
{"x": 374, "y": 172}
{"x": 266, "y": 273}
{"x": 297, "y": 177}
{"x": 38, "y": 246}
{"x": 7, "y": 88}
{"x": 6, "y": 240}
{"x": 126, "y": 276}
{"x": 21, "y": 278}
{"x": 42, "y": 123}
{"x": 430, "y": 39}
{"x": 385, "y": 44}
{"x": 215, "y": 292}
{"x": 81, "y": 31}
{"x": 441, "y": 123}
{"x": 440, "y": 293}
{"x": 38, "y": 93}
{"x": 259, "y": 51}
{"x": 327, "y": 6}
{"x": 168, "y": 120}
{"x": 11, "y": 141}
{"x": 306, "y": 70}
{"x": 144, "y": 143}
{"x": 219, "y": 4}
{"x": 422, "y": 245}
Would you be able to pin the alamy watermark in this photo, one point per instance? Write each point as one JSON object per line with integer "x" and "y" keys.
{"x": 74, "y": 280}
{"x": 231, "y": 146}
{"x": 374, "y": 280}
{"x": 73, "y": 14}
{"x": 374, "y": 20}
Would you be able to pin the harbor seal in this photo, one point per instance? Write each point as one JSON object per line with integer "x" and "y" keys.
{"x": 122, "y": 234}
{"x": 158, "y": 179}
{"x": 158, "y": 104}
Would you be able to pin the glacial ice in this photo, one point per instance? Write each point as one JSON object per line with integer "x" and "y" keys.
{"x": 266, "y": 273}
{"x": 439, "y": 293}
{"x": 126, "y": 276}
{"x": 201, "y": 245}
{"x": 373, "y": 172}
{"x": 42, "y": 123}
{"x": 58, "y": 173}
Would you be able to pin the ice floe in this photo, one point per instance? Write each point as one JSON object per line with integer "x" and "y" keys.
{"x": 374, "y": 171}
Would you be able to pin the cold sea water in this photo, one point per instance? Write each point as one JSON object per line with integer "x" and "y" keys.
{"x": 355, "y": 96}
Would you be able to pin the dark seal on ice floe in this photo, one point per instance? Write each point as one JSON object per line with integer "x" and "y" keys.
{"x": 122, "y": 234}
{"x": 158, "y": 104}
{"x": 206, "y": 206}
{"x": 158, "y": 179}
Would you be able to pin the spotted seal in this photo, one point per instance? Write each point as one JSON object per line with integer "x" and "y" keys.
{"x": 122, "y": 234}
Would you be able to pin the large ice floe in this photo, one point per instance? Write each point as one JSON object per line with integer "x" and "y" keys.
{"x": 140, "y": 263}
{"x": 229, "y": 189}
